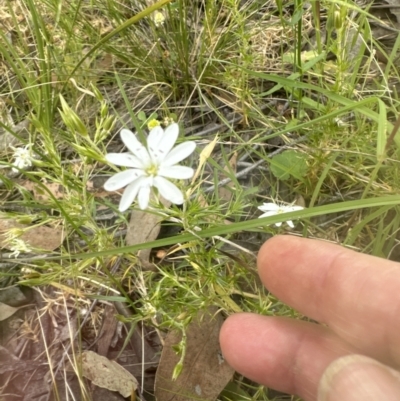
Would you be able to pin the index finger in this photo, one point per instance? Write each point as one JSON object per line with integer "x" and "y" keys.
{"x": 356, "y": 295}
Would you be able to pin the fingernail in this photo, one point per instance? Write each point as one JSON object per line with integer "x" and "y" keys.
{"x": 357, "y": 377}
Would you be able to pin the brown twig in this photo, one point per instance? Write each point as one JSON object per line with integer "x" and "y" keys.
{"x": 393, "y": 134}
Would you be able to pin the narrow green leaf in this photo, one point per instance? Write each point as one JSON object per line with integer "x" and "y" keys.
{"x": 382, "y": 128}
{"x": 390, "y": 200}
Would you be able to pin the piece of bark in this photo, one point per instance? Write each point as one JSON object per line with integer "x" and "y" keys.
{"x": 144, "y": 226}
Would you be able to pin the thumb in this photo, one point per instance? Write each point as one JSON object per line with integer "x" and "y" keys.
{"x": 357, "y": 377}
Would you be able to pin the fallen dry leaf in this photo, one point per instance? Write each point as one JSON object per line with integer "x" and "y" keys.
{"x": 6, "y": 310}
{"x": 205, "y": 373}
{"x": 107, "y": 374}
{"x": 42, "y": 237}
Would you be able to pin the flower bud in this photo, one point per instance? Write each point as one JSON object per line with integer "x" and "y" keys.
{"x": 177, "y": 370}
{"x": 71, "y": 119}
{"x": 337, "y": 19}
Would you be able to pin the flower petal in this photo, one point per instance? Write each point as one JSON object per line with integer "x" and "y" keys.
{"x": 168, "y": 190}
{"x": 290, "y": 223}
{"x": 160, "y": 142}
{"x": 180, "y": 172}
{"x": 124, "y": 159}
{"x": 129, "y": 195}
{"x": 154, "y": 138}
{"x": 294, "y": 208}
{"x": 268, "y": 214}
{"x": 278, "y": 224}
{"x": 144, "y": 196}
{"x": 179, "y": 153}
{"x": 122, "y": 179}
{"x": 134, "y": 146}
{"x": 266, "y": 207}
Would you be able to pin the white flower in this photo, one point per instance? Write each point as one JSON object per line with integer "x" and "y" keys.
{"x": 271, "y": 209}
{"x": 158, "y": 19}
{"x": 23, "y": 158}
{"x": 17, "y": 246}
{"x": 150, "y": 166}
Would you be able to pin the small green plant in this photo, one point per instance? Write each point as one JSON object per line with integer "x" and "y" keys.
{"x": 288, "y": 164}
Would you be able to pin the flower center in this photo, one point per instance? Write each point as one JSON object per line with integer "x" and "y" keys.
{"x": 152, "y": 170}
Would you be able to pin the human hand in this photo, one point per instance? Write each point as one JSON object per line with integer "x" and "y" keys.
{"x": 353, "y": 355}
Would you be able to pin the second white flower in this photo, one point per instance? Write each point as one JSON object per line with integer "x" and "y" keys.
{"x": 272, "y": 209}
